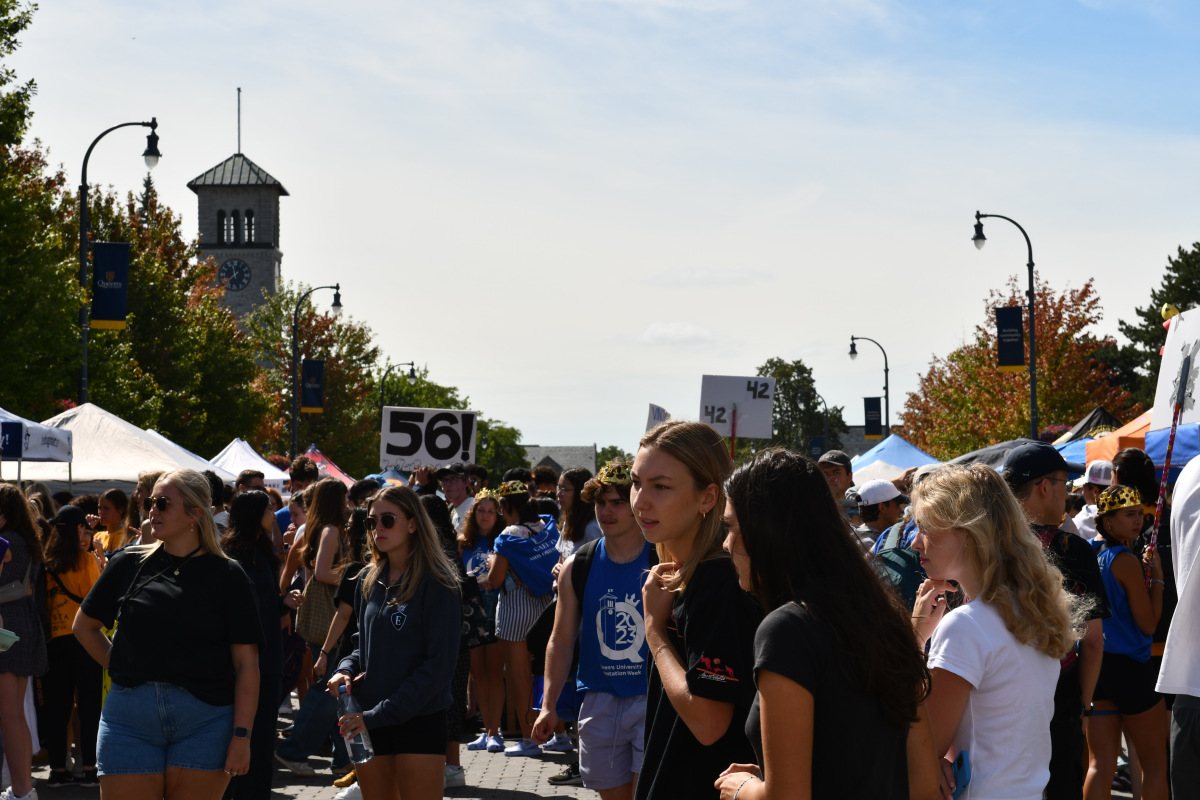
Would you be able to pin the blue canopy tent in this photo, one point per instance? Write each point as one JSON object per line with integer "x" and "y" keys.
{"x": 1075, "y": 453}
{"x": 1187, "y": 447}
{"x": 889, "y": 459}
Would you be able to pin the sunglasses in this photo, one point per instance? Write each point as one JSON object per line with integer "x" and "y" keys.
{"x": 385, "y": 521}
{"x": 162, "y": 502}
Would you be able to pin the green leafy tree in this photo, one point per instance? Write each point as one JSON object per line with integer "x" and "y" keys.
{"x": 611, "y": 453}
{"x": 798, "y": 413}
{"x": 182, "y": 365}
{"x": 39, "y": 292}
{"x": 1135, "y": 365}
{"x": 348, "y": 429}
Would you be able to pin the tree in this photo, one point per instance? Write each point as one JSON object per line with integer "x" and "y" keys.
{"x": 182, "y": 366}
{"x": 964, "y": 402}
{"x": 1136, "y": 364}
{"x": 798, "y": 414}
{"x": 39, "y": 340}
{"x": 348, "y": 429}
{"x": 611, "y": 453}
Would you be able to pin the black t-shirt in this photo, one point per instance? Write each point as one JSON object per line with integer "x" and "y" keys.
{"x": 177, "y": 628}
{"x": 346, "y": 590}
{"x": 712, "y": 629}
{"x": 791, "y": 643}
{"x": 1076, "y": 560}
{"x": 262, "y": 575}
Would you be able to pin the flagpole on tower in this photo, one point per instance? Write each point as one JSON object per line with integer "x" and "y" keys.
{"x": 239, "y": 120}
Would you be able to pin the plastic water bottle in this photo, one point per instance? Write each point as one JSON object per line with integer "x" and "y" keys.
{"x": 359, "y": 747}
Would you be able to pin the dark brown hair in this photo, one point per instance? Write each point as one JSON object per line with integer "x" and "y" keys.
{"x": 326, "y": 506}
{"x": 470, "y": 532}
{"x": 582, "y": 510}
{"x": 18, "y": 517}
{"x": 801, "y": 552}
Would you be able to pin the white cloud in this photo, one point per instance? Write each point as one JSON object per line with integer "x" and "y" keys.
{"x": 708, "y": 277}
{"x": 675, "y": 334}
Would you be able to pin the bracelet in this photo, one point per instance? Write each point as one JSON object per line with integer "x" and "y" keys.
{"x": 740, "y": 785}
{"x": 1159, "y": 581}
{"x": 326, "y": 653}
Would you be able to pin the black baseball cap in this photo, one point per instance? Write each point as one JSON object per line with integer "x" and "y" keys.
{"x": 1029, "y": 462}
{"x": 69, "y": 518}
{"x": 454, "y": 468}
{"x": 836, "y": 457}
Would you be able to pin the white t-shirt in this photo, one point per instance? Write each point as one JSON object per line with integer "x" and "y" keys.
{"x": 1086, "y": 522}
{"x": 1005, "y": 727}
{"x": 567, "y": 548}
{"x": 1180, "y": 671}
{"x": 458, "y": 514}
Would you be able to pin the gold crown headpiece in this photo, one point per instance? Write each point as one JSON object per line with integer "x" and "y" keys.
{"x": 486, "y": 494}
{"x": 615, "y": 474}
{"x": 1124, "y": 497}
{"x": 509, "y": 488}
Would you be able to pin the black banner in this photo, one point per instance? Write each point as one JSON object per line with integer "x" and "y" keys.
{"x": 816, "y": 446}
{"x": 1010, "y": 339}
{"x": 873, "y": 415}
{"x": 110, "y": 285}
{"x": 312, "y": 386}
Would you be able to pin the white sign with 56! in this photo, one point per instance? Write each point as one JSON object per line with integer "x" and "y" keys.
{"x": 754, "y": 399}
{"x": 417, "y": 437}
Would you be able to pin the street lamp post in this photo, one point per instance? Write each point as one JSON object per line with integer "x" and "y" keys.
{"x": 151, "y": 155}
{"x": 825, "y": 441}
{"x": 336, "y": 310}
{"x": 412, "y": 381}
{"x": 887, "y": 405}
{"x": 980, "y": 240}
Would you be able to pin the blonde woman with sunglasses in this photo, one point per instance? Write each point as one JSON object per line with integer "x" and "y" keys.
{"x": 184, "y": 661}
{"x": 409, "y": 625}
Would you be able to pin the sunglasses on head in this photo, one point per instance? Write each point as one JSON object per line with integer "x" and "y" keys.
{"x": 385, "y": 521}
{"x": 161, "y": 502}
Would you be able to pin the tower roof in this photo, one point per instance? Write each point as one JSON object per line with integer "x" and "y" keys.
{"x": 237, "y": 170}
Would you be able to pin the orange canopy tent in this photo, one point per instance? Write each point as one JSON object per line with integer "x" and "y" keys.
{"x": 1131, "y": 434}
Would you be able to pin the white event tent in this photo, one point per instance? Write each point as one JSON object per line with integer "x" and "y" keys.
{"x": 110, "y": 452}
{"x": 22, "y": 440}
{"x": 238, "y": 455}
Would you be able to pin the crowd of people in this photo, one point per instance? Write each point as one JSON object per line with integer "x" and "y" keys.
{"x": 687, "y": 628}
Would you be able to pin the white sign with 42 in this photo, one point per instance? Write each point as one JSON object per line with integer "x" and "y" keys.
{"x": 754, "y": 399}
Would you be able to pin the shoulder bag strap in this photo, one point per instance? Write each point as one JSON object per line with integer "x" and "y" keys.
{"x": 74, "y": 597}
{"x": 582, "y": 568}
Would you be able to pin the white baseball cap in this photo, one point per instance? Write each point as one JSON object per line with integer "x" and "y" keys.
{"x": 1099, "y": 473}
{"x": 879, "y": 491}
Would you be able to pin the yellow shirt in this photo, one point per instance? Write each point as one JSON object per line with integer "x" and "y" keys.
{"x": 79, "y": 582}
{"x": 113, "y": 540}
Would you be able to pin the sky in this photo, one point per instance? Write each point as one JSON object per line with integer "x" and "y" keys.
{"x": 570, "y": 209}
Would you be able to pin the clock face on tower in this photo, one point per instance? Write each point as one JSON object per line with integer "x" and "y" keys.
{"x": 236, "y": 272}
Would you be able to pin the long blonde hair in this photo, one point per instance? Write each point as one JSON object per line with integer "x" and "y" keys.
{"x": 195, "y": 494}
{"x": 702, "y": 450}
{"x": 1015, "y": 577}
{"x": 425, "y": 552}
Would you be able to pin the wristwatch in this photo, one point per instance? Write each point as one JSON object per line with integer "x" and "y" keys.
{"x": 241, "y": 733}
{"x": 1087, "y": 712}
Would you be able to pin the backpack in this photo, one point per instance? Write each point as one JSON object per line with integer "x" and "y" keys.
{"x": 533, "y": 558}
{"x": 900, "y": 567}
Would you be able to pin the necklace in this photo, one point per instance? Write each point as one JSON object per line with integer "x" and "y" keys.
{"x": 181, "y": 563}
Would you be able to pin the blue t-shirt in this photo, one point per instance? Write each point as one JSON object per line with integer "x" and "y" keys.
{"x": 475, "y": 560}
{"x": 283, "y": 518}
{"x": 1121, "y": 633}
{"x": 909, "y": 533}
{"x": 613, "y": 654}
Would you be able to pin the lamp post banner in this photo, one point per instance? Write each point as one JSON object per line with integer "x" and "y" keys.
{"x": 816, "y": 446}
{"x": 312, "y": 386}
{"x": 110, "y": 285}
{"x": 417, "y": 437}
{"x": 753, "y": 397}
{"x": 873, "y": 416}
{"x": 1010, "y": 339}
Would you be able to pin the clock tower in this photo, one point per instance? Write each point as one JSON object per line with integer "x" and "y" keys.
{"x": 239, "y": 227}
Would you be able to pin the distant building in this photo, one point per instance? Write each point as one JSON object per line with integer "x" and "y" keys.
{"x": 239, "y": 227}
{"x": 854, "y": 443}
{"x": 561, "y": 458}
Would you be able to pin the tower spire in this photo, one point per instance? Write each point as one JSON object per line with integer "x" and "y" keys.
{"x": 239, "y": 120}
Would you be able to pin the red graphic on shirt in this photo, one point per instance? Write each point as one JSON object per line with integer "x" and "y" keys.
{"x": 712, "y": 668}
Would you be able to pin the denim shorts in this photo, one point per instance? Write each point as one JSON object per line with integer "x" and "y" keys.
{"x": 147, "y": 728}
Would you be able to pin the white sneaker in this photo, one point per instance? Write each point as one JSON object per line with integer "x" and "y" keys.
{"x": 561, "y": 743}
{"x": 455, "y": 776}
{"x": 9, "y": 794}
{"x": 351, "y": 792}
{"x": 301, "y": 768}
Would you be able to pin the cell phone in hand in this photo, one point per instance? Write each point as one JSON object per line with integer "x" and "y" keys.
{"x": 962, "y": 774}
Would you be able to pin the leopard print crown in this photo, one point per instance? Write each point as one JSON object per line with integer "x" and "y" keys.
{"x": 616, "y": 474}
{"x": 509, "y": 488}
{"x": 1124, "y": 497}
